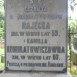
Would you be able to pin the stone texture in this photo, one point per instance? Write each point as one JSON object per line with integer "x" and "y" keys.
{"x": 35, "y": 74}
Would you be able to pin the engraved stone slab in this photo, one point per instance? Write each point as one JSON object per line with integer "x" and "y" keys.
{"x": 36, "y": 35}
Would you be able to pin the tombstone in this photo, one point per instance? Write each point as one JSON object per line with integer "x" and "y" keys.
{"x": 36, "y": 36}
